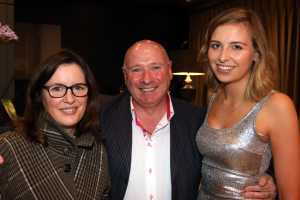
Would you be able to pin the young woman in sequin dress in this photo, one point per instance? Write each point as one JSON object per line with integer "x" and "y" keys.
{"x": 247, "y": 122}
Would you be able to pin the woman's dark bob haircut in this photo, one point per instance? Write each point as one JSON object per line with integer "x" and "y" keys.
{"x": 89, "y": 123}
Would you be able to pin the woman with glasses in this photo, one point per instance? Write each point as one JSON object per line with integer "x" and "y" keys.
{"x": 56, "y": 151}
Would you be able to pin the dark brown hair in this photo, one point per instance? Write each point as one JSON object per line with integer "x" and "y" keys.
{"x": 34, "y": 107}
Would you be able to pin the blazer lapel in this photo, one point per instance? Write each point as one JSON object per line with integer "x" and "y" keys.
{"x": 174, "y": 145}
{"x": 124, "y": 139}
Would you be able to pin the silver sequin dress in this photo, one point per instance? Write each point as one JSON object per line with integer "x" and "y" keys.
{"x": 232, "y": 157}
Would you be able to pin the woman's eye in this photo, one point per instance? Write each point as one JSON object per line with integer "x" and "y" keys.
{"x": 57, "y": 88}
{"x": 214, "y": 45}
{"x": 78, "y": 87}
{"x": 237, "y": 47}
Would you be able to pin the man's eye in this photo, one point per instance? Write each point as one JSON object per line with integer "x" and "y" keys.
{"x": 135, "y": 69}
{"x": 156, "y": 67}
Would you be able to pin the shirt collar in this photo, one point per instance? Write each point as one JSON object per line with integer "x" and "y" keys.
{"x": 169, "y": 111}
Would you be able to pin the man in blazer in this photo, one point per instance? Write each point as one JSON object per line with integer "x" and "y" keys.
{"x": 185, "y": 158}
{"x": 150, "y": 136}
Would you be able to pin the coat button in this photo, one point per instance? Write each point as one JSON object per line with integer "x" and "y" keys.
{"x": 67, "y": 168}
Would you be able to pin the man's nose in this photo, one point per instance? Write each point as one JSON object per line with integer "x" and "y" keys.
{"x": 147, "y": 76}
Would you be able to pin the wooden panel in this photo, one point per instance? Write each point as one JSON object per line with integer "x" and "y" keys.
{"x": 37, "y": 41}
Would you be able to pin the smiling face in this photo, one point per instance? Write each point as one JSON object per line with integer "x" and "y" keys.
{"x": 147, "y": 72}
{"x": 68, "y": 110}
{"x": 231, "y": 53}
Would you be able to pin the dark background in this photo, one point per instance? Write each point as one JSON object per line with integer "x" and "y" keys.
{"x": 101, "y": 32}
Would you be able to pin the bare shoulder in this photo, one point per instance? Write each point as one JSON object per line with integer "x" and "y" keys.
{"x": 279, "y": 103}
{"x": 278, "y": 113}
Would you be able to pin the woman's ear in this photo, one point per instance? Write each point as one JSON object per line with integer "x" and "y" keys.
{"x": 256, "y": 57}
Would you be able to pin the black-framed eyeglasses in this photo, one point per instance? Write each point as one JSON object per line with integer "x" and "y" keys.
{"x": 60, "y": 90}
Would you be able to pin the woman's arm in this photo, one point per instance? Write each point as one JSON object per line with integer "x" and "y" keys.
{"x": 279, "y": 121}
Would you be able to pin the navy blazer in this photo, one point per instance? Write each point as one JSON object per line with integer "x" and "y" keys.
{"x": 116, "y": 121}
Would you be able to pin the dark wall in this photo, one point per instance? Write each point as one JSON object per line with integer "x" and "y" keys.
{"x": 101, "y": 33}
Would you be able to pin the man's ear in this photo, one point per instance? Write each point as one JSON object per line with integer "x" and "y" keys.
{"x": 170, "y": 69}
{"x": 124, "y": 73}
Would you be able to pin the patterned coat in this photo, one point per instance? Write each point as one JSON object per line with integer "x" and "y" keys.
{"x": 64, "y": 169}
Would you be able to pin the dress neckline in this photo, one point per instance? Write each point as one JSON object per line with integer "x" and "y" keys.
{"x": 236, "y": 124}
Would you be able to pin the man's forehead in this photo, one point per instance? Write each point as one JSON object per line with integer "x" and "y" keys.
{"x": 146, "y": 57}
{"x": 145, "y": 51}
{"x": 146, "y": 46}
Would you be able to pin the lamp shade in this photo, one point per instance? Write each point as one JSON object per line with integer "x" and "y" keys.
{"x": 185, "y": 60}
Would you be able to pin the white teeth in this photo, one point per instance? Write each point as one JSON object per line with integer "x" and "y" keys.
{"x": 225, "y": 68}
{"x": 147, "y": 89}
{"x": 68, "y": 110}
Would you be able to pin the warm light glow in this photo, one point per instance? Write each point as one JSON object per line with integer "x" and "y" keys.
{"x": 188, "y": 80}
{"x": 189, "y": 73}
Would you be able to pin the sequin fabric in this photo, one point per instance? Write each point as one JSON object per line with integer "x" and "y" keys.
{"x": 232, "y": 157}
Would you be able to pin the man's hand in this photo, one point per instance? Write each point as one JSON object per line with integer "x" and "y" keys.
{"x": 265, "y": 189}
{"x": 1, "y": 160}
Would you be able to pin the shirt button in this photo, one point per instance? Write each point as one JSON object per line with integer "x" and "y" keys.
{"x": 150, "y": 170}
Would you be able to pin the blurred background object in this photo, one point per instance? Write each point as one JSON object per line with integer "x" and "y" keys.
{"x": 8, "y": 115}
{"x": 186, "y": 66}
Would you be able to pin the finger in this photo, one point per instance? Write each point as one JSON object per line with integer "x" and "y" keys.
{"x": 257, "y": 195}
{"x": 263, "y": 181}
{"x": 255, "y": 188}
{"x": 1, "y": 160}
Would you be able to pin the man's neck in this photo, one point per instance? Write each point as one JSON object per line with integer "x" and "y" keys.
{"x": 149, "y": 117}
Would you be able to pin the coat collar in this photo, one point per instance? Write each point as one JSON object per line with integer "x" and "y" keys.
{"x": 57, "y": 135}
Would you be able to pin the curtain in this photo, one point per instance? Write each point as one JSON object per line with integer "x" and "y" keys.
{"x": 281, "y": 19}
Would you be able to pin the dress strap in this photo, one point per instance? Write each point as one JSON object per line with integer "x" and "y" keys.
{"x": 210, "y": 102}
{"x": 261, "y": 102}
